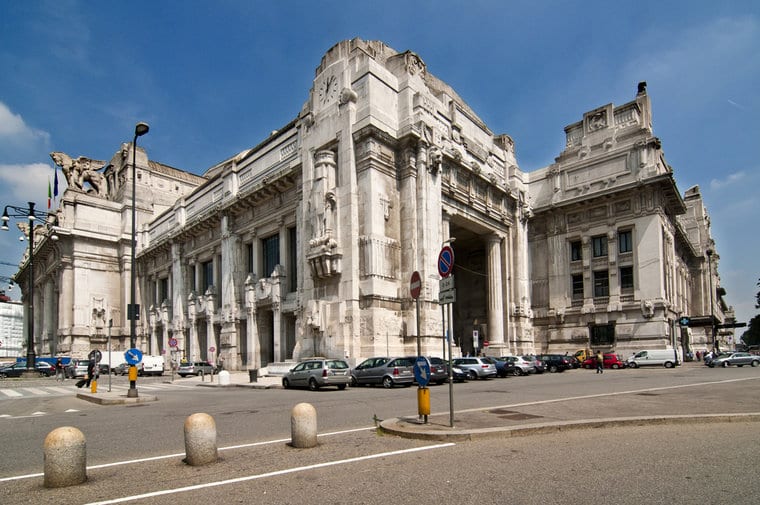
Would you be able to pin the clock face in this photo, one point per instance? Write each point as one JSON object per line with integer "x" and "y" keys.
{"x": 329, "y": 89}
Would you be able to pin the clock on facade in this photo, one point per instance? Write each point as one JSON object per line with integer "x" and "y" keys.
{"x": 329, "y": 89}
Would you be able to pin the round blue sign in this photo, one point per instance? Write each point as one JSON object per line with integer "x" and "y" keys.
{"x": 445, "y": 261}
{"x": 133, "y": 356}
{"x": 422, "y": 371}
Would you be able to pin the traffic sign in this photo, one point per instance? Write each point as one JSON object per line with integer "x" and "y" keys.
{"x": 684, "y": 321}
{"x": 485, "y": 344}
{"x": 133, "y": 356}
{"x": 95, "y": 355}
{"x": 445, "y": 261}
{"x": 172, "y": 342}
{"x": 422, "y": 371}
{"x": 211, "y": 349}
{"x": 415, "y": 285}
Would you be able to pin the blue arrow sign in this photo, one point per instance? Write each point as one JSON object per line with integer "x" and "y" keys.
{"x": 133, "y": 356}
{"x": 422, "y": 371}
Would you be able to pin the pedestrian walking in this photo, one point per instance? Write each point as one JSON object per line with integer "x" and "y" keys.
{"x": 91, "y": 371}
{"x": 599, "y": 362}
{"x": 59, "y": 376}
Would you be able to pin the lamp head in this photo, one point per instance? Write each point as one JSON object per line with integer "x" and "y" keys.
{"x": 141, "y": 129}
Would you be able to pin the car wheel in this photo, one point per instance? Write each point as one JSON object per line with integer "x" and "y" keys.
{"x": 669, "y": 364}
{"x": 724, "y": 364}
{"x": 285, "y": 383}
{"x": 472, "y": 375}
{"x": 313, "y": 385}
{"x": 755, "y": 363}
{"x": 553, "y": 368}
{"x": 341, "y": 387}
{"x": 633, "y": 364}
{"x": 615, "y": 366}
{"x": 387, "y": 382}
{"x": 515, "y": 372}
{"x": 200, "y": 372}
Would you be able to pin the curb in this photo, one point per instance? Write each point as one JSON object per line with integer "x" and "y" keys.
{"x": 418, "y": 431}
{"x": 116, "y": 400}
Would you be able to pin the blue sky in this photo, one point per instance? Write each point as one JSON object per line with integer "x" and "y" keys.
{"x": 214, "y": 78}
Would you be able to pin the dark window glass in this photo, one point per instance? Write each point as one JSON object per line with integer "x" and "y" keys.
{"x": 271, "y": 246}
{"x": 163, "y": 290}
{"x": 601, "y": 283}
{"x": 208, "y": 275}
{"x": 599, "y": 246}
{"x": 625, "y": 241}
{"x": 602, "y": 335}
{"x": 292, "y": 260}
{"x": 576, "y": 251}
{"x": 626, "y": 277}
{"x": 249, "y": 253}
{"x": 577, "y": 285}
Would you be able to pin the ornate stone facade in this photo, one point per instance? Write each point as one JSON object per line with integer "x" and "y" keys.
{"x": 305, "y": 244}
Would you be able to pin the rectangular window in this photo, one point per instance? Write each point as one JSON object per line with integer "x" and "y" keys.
{"x": 626, "y": 277}
{"x": 292, "y": 260}
{"x": 271, "y": 246}
{"x": 601, "y": 283}
{"x": 577, "y": 285}
{"x": 602, "y": 334}
{"x": 576, "y": 250}
{"x": 163, "y": 290}
{"x": 625, "y": 241}
{"x": 207, "y": 268}
{"x": 599, "y": 246}
{"x": 249, "y": 257}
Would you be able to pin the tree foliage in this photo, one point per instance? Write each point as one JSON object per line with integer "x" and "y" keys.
{"x": 752, "y": 335}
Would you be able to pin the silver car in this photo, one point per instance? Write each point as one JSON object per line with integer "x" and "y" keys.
{"x": 735, "y": 358}
{"x": 384, "y": 370}
{"x": 523, "y": 365}
{"x": 476, "y": 367}
{"x": 318, "y": 372}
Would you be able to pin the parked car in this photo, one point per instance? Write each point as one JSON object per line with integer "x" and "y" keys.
{"x": 195, "y": 368}
{"x": 520, "y": 365}
{"x": 574, "y": 362}
{"x": 609, "y": 360}
{"x": 458, "y": 374}
{"x": 538, "y": 365}
{"x": 504, "y": 368}
{"x": 318, "y": 372}
{"x": 76, "y": 368}
{"x": 120, "y": 369}
{"x": 665, "y": 357}
{"x": 385, "y": 370}
{"x": 476, "y": 367}
{"x": 555, "y": 362}
{"x": 439, "y": 372}
{"x": 735, "y": 358}
{"x": 16, "y": 369}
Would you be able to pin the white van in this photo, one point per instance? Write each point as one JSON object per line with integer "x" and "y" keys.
{"x": 151, "y": 365}
{"x": 663, "y": 357}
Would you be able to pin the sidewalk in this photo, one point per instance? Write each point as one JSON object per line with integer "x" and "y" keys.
{"x": 233, "y": 379}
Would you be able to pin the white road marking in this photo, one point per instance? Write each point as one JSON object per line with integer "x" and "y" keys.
{"x": 36, "y": 391}
{"x": 11, "y": 393}
{"x": 270, "y": 474}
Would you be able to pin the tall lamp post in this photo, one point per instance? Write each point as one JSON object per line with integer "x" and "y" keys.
{"x": 30, "y": 215}
{"x": 133, "y": 311}
{"x": 709, "y": 254}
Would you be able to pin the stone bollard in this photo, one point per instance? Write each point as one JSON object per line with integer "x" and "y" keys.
{"x": 224, "y": 378}
{"x": 303, "y": 426}
{"x": 65, "y": 455}
{"x": 200, "y": 440}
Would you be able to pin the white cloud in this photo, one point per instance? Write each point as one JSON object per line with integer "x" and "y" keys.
{"x": 26, "y": 183}
{"x": 19, "y": 141}
{"x": 716, "y": 184}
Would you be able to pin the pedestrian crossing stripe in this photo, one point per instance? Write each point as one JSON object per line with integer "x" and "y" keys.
{"x": 11, "y": 393}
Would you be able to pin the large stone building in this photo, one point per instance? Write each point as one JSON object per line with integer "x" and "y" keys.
{"x": 305, "y": 244}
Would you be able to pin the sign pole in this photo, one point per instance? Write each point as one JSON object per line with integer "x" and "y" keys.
{"x": 451, "y": 372}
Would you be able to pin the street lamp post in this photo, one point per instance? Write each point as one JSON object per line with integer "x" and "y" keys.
{"x": 30, "y": 215}
{"x": 133, "y": 310}
{"x": 709, "y": 253}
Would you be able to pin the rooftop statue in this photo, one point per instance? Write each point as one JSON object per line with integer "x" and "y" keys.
{"x": 78, "y": 171}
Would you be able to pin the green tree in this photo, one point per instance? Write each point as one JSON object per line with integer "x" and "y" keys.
{"x": 752, "y": 335}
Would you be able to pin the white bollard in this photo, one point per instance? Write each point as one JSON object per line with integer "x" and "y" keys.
{"x": 224, "y": 378}
{"x": 65, "y": 455}
{"x": 303, "y": 426}
{"x": 200, "y": 440}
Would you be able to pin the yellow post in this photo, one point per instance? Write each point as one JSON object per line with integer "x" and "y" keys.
{"x": 94, "y": 385}
{"x": 423, "y": 402}
{"x": 132, "y": 373}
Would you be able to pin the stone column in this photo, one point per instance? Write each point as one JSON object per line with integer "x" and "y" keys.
{"x": 178, "y": 296}
{"x": 192, "y": 350}
{"x": 495, "y": 299}
{"x": 252, "y": 328}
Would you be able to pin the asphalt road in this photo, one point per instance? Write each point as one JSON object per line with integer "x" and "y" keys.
{"x": 680, "y": 463}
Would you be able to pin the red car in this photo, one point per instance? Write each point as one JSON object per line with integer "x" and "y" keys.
{"x": 610, "y": 361}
